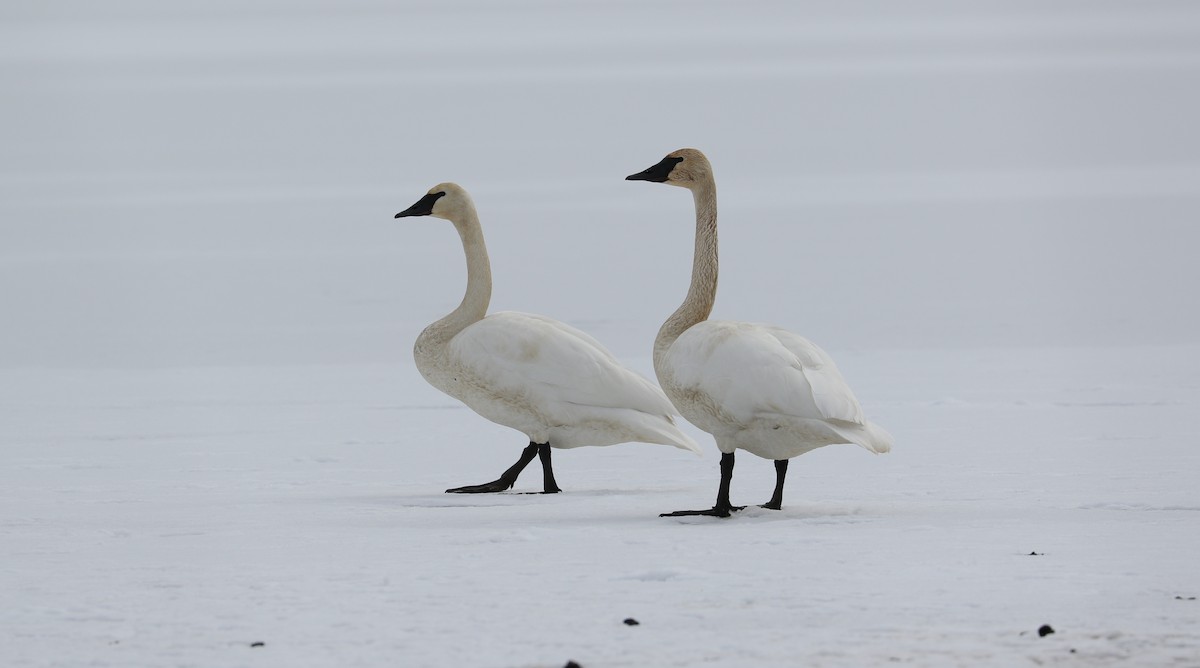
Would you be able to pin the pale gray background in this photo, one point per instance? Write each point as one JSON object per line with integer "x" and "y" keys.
{"x": 213, "y": 183}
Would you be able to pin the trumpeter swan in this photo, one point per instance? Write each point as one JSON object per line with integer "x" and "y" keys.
{"x": 759, "y": 388}
{"x": 553, "y": 382}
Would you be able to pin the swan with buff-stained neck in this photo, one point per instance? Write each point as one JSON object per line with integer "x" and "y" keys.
{"x": 755, "y": 387}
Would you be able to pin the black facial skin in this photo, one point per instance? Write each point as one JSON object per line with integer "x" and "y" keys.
{"x": 657, "y": 173}
{"x": 423, "y": 207}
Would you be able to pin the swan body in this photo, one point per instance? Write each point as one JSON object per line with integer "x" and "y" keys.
{"x": 764, "y": 390}
{"x": 552, "y": 382}
{"x": 549, "y": 381}
{"x": 754, "y": 387}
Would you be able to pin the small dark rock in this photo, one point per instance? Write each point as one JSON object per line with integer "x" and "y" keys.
{"x": 630, "y": 621}
{"x": 258, "y": 644}
{"x": 1072, "y": 650}
{"x": 1045, "y": 630}
{"x": 1185, "y": 598}
{"x": 572, "y": 664}
{"x": 1037, "y": 554}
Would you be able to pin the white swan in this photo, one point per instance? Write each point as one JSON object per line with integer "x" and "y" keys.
{"x": 553, "y": 382}
{"x": 759, "y": 388}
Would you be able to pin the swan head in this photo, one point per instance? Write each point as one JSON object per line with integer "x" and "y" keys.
{"x": 685, "y": 168}
{"x": 445, "y": 200}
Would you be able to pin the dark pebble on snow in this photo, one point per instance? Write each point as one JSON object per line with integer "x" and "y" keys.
{"x": 1185, "y": 598}
{"x": 630, "y": 621}
{"x": 572, "y": 664}
{"x": 1037, "y": 554}
{"x": 1045, "y": 630}
{"x": 258, "y": 644}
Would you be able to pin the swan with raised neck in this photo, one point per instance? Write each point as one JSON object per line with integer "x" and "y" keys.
{"x": 756, "y": 387}
{"x": 552, "y": 382}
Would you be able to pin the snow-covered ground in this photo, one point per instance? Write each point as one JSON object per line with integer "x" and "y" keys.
{"x": 176, "y": 517}
{"x": 212, "y": 434}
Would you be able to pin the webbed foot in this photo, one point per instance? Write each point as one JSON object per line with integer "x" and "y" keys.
{"x": 715, "y": 511}
{"x": 494, "y": 486}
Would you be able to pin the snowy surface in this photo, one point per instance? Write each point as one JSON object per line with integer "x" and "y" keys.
{"x": 212, "y": 434}
{"x": 174, "y": 517}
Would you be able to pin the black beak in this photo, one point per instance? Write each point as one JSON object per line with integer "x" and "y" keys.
{"x": 423, "y": 206}
{"x": 657, "y": 173}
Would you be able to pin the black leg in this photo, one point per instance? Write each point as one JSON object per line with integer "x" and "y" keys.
{"x": 776, "y": 501}
{"x": 723, "y": 507}
{"x": 506, "y": 479}
{"x": 548, "y": 483}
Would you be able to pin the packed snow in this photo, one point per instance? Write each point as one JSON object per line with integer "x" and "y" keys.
{"x": 217, "y": 451}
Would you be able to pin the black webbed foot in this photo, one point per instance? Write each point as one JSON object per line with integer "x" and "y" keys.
{"x": 487, "y": 487}
{"x": 715, "y": 511}
{"x": 506, "y": 479}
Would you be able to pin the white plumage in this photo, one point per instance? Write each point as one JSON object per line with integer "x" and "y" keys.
{"x": 552, "y": 382}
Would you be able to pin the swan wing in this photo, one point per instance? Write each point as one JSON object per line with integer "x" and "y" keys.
{"x": 831, "y": 392}
{"x": 553, "y": 366}
{"x": 749, "y": 370}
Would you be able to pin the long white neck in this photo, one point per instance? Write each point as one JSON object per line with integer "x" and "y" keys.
{"x": 703, "y": 290}
{"x": 479, "y": 280}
